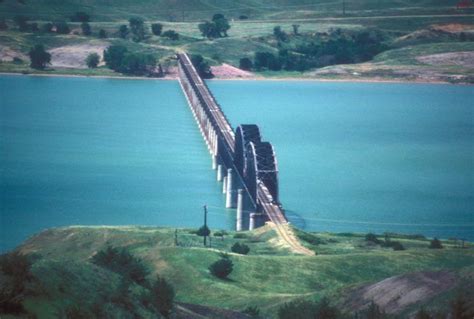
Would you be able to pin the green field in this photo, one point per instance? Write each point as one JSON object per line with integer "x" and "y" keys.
{"x": 396, "y": 19}
{"x": 267, "y": 277}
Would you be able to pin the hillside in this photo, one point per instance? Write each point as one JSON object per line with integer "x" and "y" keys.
{"x": 348, "y": 269}
{"x": 417, "y": 29}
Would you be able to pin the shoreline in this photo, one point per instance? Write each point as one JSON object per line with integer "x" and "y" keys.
{"x": 255, "y": 78}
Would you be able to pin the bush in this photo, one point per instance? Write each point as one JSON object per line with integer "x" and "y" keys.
{"x": 156, "y": 28}
{"x": 39, "y": 57}
{"x": 114, "y": 55}
{"x": 137, "y": 27}
{"x": 62, "y": 27}
{"x": 22, "y": 23}
{"x": 243, "y": 17}
{"x": 17, "y": 60}
{"x": 252, "y": 312}
{"x": 396, "y": 245}
{"x": 162, "y": 296}
{"x": 370, "y": 237}
{"x": 216, "y": 28}
{"x": 102, "y": 34}
{"x": 240, "y": 248}
{"x": 47, "y": 27}
{"x": 171, "y": 34}
{"x": 120, "y": 260}
{"x": 436, "y": 244}
{"x": 240, "y": 236}
{"x": 123, "y": 31}
{"x": 202, "y": 67}
{"x": 245, "y": 64}
{"x": 222, "y": 268}
{"x": 86, "y": 28}
{"x": 137, "y": 64}
{"x": 92, "y": 60}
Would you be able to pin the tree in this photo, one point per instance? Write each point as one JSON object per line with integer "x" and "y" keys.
{"x": 39, "y": 57}
{"x": 114, "y": 55}
{"x": 86, "y": 28}
{"x": 80, "y": 17}
{"x": 137, "y": 27}
{"x": 222, "y": 268}
{"x": 137, "y": 64}
{"x": 266, "y": 60}
{"x": 240, "y": 248}
{"x": 279, "y": 34}
{"x": 62, "y": 27}
{"x": 216, "y": 28}
{"x": 92, "y": 60}
{"x": 171, "y": 34}
{"x": 202, "y": 67}
{"x": 203, "y": 231}
{"x": 222, "y": 24}
{"x": 245, "y": 64}
{"x": 102, "y": 34}
{"x": 436, "y": 244}
{"x": 295, "y": 28}
{"x": 162, "y": 296}
{"x": 156, "y": 28}
{"x": 123, "y": 31}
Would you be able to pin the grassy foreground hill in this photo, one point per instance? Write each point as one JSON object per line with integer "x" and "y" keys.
{"x": 349, "y": 270}
{"x": 425, "y": 40}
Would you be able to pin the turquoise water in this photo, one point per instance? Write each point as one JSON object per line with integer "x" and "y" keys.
{"x": 100, "y": 151}
{"x": 366, "y": 156}
{"x": 353, "y": 157}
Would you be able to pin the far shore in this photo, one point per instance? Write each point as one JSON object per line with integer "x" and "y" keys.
{"x": 253, "y": 78}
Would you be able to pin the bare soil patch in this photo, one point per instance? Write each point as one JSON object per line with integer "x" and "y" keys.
{"x": 7, "y": 54}
{"x": 227, "y": 71}
{"x": 464, "y": 59}
{"x": 74, "y": 56}
{"x": 394, "y": 294}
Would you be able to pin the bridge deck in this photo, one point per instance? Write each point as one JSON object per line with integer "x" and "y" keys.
{"x": 226, "y": 134}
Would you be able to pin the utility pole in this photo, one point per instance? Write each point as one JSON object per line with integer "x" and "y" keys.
{"x": 343, "y": 7}
{"x": 205, "y": 224}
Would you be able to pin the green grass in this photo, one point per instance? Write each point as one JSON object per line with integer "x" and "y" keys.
{"x": 267, "y": 277}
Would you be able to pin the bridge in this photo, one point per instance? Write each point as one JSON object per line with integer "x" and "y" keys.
{"x": 245, "y": 163}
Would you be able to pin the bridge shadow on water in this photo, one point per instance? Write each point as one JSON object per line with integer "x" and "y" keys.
{"x": 295, "y": 219}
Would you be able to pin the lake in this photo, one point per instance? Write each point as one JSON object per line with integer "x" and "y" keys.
{"x": 353, "y": 157}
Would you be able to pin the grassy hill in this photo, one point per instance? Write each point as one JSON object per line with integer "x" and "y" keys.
{"x": 404, "y": 24}
{"x": 267, "y": 277}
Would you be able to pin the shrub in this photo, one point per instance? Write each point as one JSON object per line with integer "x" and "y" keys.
{"x": 240, "y": 236}
{"x": 252, "y": 312}
{"x": 243, "y": 17}
{"x": 436, "y": 244}
{"x": 156, "y": 28}
{"x": 240, "y": 248}
{"x": 222, "y": 268}
{"x": 17, "y": 60}
{"x": 47, "y": 27}
{"x": 62, "y": 27}
{"x": 370, "y": 237}
{"x": 171, "y": 34}
{"x": 39, "y": 57}
{"x": 102, "y": 34}
{"x": 114, "y": 55}
{"x": 162, "y": 295}
{"x": 22, "y": 23}
{"x": 120, "y": 260}
{"x": 92, "y": 60}
{"x": 396, "y": 245}
{"x": 245, "y": 64}
{"x": 202, "y": 67}
{"x": 137, "y": 27}
{"x": 123, "y": 31}
{"x": 86, "y": 28}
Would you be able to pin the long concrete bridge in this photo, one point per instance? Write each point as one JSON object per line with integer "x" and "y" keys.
{"x": 245, "y": 164}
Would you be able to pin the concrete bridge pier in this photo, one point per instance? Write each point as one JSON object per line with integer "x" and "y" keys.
{"x": 229, "y": 200}
{"x": 214, "y": 162}
{"x": 240, "y": 210}
{"x": 220, "y": 172}
{"x": 256, "y": 220}
{"x": 224, "y": 185}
